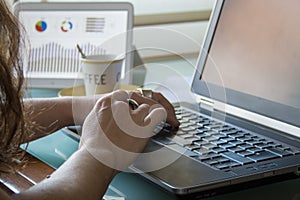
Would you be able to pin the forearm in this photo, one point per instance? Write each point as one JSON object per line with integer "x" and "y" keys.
{"x": 46, "y": 115}
{"x": 80, "y": 177}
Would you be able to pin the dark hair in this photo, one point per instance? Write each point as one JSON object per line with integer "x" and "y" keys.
{"x": 12, "y": 119}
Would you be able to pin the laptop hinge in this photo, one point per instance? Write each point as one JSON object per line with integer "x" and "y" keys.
{"x": 206, "y": 104}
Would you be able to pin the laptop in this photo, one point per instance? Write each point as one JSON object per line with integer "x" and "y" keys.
{"x": 54, "y": 29}
{"x": 245, "y": 131}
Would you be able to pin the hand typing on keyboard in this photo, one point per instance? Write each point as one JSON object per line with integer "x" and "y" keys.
{"x": 115, "y": 134}
{"x": 157, "y": 97}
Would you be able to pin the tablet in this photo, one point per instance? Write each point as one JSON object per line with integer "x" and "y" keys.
{"x": 54, "y": 30}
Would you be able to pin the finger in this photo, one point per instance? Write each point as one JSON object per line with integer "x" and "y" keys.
{"x": 140, "y": 99}
{"x": 168, "y": 106}
{"x": 155, "y": 117}
{"x": 140, "y": 113}
{"x": 123, "y": 117}
{"x": 120, "y": 95}
{"x": 158, "y": 98}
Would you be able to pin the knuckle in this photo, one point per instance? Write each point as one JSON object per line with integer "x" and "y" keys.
{"x": 133, "y": 94}
{"x": 158, "y": 94}
{"x": 145, "y": 106}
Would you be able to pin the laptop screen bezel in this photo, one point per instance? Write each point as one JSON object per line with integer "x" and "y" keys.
{"x": 265, "y": 107}
{"x": 88, "y": 6}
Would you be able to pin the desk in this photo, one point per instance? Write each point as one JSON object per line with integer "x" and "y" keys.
{"x": 133, "y": 186}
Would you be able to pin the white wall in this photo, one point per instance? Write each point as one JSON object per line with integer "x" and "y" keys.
{"x": 176, "y": 26}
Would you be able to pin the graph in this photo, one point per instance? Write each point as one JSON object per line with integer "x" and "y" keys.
{"x": 56, "y": 59}
{"x": 95, "y": 24}
{"x": 66, "y": 26}
{"x": 41, "y": 26}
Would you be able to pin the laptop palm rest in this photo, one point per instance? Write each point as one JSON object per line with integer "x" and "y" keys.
{"x": 180, "y": 175}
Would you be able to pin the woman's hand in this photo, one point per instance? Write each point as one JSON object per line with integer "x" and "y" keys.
{"x": 83, "y": 105}
{"x": 113, "y": 128}
{"x": 156, "y": 98}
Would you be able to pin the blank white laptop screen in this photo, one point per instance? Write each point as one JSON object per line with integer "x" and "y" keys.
{"x": 261, "y": 55}
{"x": 53, "y": 35}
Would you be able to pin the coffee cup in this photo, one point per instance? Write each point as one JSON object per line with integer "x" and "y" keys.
{"x": 101, "y": 73}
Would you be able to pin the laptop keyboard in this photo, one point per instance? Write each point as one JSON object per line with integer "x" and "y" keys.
{"x": 218, "y": 144}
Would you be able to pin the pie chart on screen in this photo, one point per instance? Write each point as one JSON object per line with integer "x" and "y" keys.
{"x": 41, "y": 26}
{"x": 66, "y": 26}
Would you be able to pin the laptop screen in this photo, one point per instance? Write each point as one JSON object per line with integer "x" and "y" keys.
{"x": 54, "y": 30}
{"x": 253, "y": 55}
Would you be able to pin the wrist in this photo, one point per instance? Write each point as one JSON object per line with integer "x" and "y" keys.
{"x": 104, "y": 160}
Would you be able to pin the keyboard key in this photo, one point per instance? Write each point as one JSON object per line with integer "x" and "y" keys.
{"x": 211, "y": 162}
{"x": 228, "y": 139}
{"x": 262, "y": 145}
{"x": 222, "y": 159}
{"x": 245, "y": 146}
{"x": 245, "y": 139}
{"x": 229, "y": 132}
{"x": 294, "y": 151}
{"x": 255, "y": 150}
{"x": 186, "y": 136}
{"x": 256, "y": 138}
{"x": 218, "y": 150}
{"x": 194, "y": 132}
{"x": 246, "y": 153}
{"x": 180, "y": 132}
{"x": 213, "y": 155}
{"x": 211, "y": 133}
{"x": 254, "y": 142}
{"x": 202, "y": 129}
{"x": 192, "y": 147}
{"x": 180, "y": 140}
{"x": 226, "y": 146}
{"x": 236, "y": 135}
{"x": 192, "y": 117}
{"x": 233, "y": 164}
{"x": 237, "y": 158}
{"x": 209, "y": 146}
{"x": 210, "y": 138}
{"x": 186, "y": 114}
{"x": 221, "y": 136}
{"x": 264, "y": 155}
{"x": 204, "y": 124}
{"x": 221, "y": 166}
{"x": 278, "y": 152}
{"x": 215, "y": 126}
{"x": 221, "y": 129}
{"x": 218, "y": 142}
{"x": 200, "y": 142}
{"x": 202, "y": 151}
{"x": 236, "y": 143}
{"x": 182, "y": 120}
{"x": 235, "y": 149}
{"x": 188, "y": 129}
{"x": 182, "y": 150}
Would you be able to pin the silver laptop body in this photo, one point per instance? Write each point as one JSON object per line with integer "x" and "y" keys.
{"x": 246, "y": 129}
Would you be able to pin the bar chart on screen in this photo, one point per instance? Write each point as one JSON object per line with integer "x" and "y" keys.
{"x": 54, "y": 59}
